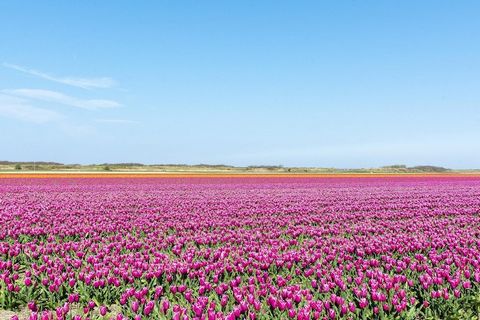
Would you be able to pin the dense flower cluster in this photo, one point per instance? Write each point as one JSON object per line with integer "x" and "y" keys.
{"x": 240, "y": 248}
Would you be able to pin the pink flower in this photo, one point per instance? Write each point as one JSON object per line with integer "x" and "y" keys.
{"x": 147, "y": 310}
{"x": 135, "y": 306}
{"x": 363, "y": 303}
{"x": 32, "y": 306}
{"x": 103, "y": 310}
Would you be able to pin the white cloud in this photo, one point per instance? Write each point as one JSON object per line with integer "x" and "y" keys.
{"x": 85, "y": 83}
{"x": 20, "y": 109}
{"x": 58, "y": 97}
{"x": 116, "y": 121}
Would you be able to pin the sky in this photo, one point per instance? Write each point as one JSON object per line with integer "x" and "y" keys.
{"x": 344, "y": 84}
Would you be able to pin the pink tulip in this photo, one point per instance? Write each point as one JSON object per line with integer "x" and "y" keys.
{"x": 103, "y": 310}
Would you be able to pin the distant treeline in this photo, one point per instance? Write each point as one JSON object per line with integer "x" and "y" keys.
{"x": 418, "y": 168}
{"x": 133, "y": 166}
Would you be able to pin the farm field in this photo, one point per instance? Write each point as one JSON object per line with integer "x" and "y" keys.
{"x": 239, "y": 247}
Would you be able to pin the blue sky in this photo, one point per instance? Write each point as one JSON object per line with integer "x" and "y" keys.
{"x": 296, "y": 83}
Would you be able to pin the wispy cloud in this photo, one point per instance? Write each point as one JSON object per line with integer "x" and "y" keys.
{"x": 20, "y": 109}
{"x": 116, "y": 121}
{"x": 58, "y": 97}
{"x": 85, "y": 83}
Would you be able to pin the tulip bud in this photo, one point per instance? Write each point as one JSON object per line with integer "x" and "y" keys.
{"x": 135, "y": 306}
{"x": 28, "y": 282}
{"x": 103, "y": 311}
{"x": 32, "y": 306}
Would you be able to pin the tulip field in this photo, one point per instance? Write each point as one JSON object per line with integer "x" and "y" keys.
{"x": 280, "y": 247}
